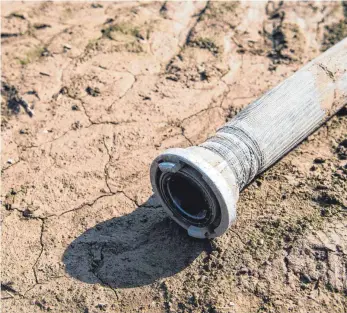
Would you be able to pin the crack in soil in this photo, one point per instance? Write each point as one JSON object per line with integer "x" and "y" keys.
{"x": 41, "y": 251}
{"x": 107, "y": 165}
{"x": 189, "y": 34}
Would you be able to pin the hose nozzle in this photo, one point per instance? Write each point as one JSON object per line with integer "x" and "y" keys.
{"x": 197, "y": 190}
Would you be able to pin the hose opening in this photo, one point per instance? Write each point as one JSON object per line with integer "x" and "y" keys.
{"x": 188, "y": 197}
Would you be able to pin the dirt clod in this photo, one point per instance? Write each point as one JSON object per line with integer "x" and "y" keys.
{"x": 95, "y": 92}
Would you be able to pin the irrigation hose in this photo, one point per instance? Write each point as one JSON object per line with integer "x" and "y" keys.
{"x": 199, "y": 186}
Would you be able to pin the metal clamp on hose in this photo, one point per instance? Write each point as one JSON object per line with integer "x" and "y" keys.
{"x": 193, "y": 185}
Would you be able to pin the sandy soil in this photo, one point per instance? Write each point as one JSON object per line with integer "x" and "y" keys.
{"x": 92, "y": 92}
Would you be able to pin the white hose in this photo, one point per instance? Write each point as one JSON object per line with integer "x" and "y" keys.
{"x": 199, "y": 186}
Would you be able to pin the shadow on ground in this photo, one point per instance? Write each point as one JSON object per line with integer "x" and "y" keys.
{"x": 132, "y": 250}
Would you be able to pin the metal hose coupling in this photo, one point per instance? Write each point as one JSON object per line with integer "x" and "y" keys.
{"x": 199, "y": 186}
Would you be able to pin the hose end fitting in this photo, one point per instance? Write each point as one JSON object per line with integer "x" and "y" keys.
{"x": 197, "y": 189}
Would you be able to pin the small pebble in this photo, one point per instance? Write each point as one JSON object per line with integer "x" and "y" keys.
{"x": 93, "y": 91}
{"x": 306, "y": 278}
{"x": 96, "y": 6}
{"x": 319, "y": 160}
{"x": 27, "y": 213}
{"x": 242, "y": 270}
{"x": 10, "y": 161}
{"x": 44, "y": 74}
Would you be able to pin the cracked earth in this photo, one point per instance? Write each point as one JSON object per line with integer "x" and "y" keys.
{"x": 92, "y": 92}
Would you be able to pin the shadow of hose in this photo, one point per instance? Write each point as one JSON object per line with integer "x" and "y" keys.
{"x": 132, "y": 250}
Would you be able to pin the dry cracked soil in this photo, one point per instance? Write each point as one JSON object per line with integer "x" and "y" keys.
{"x": 92, "y": 92}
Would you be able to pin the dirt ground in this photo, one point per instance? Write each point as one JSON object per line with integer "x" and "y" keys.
{"x": 92, "y": 92}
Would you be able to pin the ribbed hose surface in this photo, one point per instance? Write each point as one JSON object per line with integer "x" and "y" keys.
{"x": 253, "y": 140}
{"x": 274, "y": 124}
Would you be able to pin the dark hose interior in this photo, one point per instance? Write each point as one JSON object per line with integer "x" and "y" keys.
{"x": 188, "y": 197}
